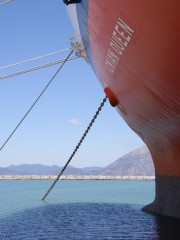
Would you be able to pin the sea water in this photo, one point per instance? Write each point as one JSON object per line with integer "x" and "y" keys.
{"x": 77, "y": 209}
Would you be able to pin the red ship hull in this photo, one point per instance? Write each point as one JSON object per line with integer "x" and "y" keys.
{"x": 133, "y": 47}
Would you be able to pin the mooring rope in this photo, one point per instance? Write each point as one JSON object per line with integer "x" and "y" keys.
{"x": 76, "y": 148}
{"x": 45, "y": 88}
{"x": 35, "y": 58}
{"x": 37, "y": 67}
{"x": 3, "y": 3}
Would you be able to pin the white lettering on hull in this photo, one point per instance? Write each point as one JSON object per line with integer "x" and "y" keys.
{"x": 120, "y": 39}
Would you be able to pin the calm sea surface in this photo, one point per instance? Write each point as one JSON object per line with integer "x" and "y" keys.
{"x": 81, "y": 210}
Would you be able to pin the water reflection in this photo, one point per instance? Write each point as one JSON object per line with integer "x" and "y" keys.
{"x": 88, "y": 221}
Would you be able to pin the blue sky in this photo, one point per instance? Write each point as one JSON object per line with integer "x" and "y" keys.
{"x": 54, "y": 127}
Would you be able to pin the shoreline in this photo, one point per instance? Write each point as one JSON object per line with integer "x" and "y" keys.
{"x": 74, "y": 177}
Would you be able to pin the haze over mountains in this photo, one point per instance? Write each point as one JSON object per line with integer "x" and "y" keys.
{"x": 135, "y": 163}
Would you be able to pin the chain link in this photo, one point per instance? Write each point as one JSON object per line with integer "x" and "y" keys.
{"x": 77, "y": 147}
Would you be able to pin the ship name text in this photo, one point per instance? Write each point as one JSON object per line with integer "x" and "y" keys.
{"x": 120, "y": 39}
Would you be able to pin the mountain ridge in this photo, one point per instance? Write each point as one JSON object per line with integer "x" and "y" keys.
{"x": 136, "y": 163}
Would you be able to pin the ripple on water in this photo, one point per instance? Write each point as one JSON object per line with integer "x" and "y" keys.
{"x": 88, "y": 221}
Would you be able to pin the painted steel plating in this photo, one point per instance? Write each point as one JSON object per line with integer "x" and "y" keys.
{"x": 133, "y": 47}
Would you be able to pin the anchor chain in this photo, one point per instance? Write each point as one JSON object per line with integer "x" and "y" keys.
{"x": 76, "y": 148}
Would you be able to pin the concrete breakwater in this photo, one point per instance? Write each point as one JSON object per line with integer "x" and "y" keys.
{"x": 73, "y": 177}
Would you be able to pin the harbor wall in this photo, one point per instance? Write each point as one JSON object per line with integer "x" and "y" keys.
{"x": 73, "y": 177}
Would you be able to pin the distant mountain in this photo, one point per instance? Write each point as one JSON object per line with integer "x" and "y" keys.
{"x": 135, "y": 163}
{"x": 6, "y": 171}
{"x": 38, "y": 169}
{"x": 34, "y": 169}
{"x": 92, "y": 170}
